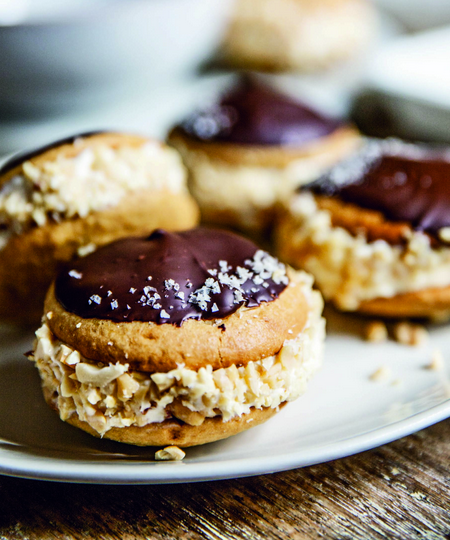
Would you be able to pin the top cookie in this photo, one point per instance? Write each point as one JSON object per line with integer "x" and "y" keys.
{"x": 407, "y": 184}
{"x": 254, "y": 114}
{"x": 177, "y": 298}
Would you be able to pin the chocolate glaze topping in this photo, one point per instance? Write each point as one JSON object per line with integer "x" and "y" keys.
{"x": 171, "y": 277}
{"x": 257, "y": 115}
{"x": 20, "y": 158}
{"x": 410, "y": 186}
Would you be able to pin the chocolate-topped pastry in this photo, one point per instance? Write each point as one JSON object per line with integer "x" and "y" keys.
{"x": 257, "y": 115}
{"x": 177, "y": 338}
{"x": 67, "y": 198}
{"x": 375, "y": 231}
{"x": 252, "y": 148}
{"x": 297, "y": 35}
{"x": 212, "y": 274}
{"x": 404, "y": 188}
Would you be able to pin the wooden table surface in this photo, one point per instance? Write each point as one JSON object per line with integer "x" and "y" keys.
{"x": 401, "y": 490}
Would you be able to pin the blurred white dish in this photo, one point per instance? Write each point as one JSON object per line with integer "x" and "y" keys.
{"x": 51, "y": 61}
{"x": 409, "y": 81}
{"x": 418, "y": 14}
{"x": 150, "y": 111}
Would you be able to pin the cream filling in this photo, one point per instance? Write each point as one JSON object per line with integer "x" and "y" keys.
{"x": 298, "y": 34}
{"x": 246, "y": 192}
{"x": 348, "y": 269}
{"x": 97, "y": 178}
{"x": 116, "y": 396}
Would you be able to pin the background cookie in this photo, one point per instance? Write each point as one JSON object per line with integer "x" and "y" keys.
{"x": 66, "y": 199}
{"x": 374, "y": 231}
{"x": 252, "y": 149}
{"x": 297, "y": 35}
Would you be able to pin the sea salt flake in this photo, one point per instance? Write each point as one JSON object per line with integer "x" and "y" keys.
{"x": 267, "y": 267}
{"x": 94, "y": 299}
{"x": 75, "y": 274}
{"x": 169, "y": 284}
{"x": 164, "y": 315}
{"x": 200, "y": 297}
{"x": 147, "y": 290}
{"x": 243, "y": 274}
{"x": 114, "y": 304}
{"x": 212, "y": 285}
{"x": 223, "y": 265}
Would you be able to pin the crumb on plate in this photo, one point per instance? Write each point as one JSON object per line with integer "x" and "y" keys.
{"x": 408, "y": 333}
{"x": 170, "y": 453}
{"x": 375, "y": 332}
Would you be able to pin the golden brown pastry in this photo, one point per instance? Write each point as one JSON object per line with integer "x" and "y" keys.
{"x": 66, "y": 199}
{"x": 297, "y": 35}
{"x": 177, "y": 338}
{"x": 252, "y": 150}
{"x": 374, "y": 231}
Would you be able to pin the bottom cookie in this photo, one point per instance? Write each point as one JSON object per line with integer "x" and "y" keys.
{"x": 430, "y": 303}
{"x": 176, "y": 432}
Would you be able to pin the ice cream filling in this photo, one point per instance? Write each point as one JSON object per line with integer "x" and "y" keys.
{"x": 349, "y": 270}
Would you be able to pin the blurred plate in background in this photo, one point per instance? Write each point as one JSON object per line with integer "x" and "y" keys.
{"x": 407, "y": 88}
{"x": 67, "y": 55}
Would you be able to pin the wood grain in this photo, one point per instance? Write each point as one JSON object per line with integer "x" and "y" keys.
{"x": 398, "y": 491}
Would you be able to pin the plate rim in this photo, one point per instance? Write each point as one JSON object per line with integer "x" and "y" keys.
{"x": 135, "y": 472}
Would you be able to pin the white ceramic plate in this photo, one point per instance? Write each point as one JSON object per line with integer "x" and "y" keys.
{"x": 343, "y": 412}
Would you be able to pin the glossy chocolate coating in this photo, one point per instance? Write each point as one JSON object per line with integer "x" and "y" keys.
{"x": 253, "y": 114}
{"x": 415, "y": 190}
{"x": 131, "y": 279}
{"x": 18, "y": 159}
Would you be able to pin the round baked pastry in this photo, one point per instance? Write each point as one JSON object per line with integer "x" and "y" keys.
{"x": 66, "y": 199}
{"x": 177, "y": 338}
{"x": 297, "y": 35}
{"x": 253, "y": 149}
{"x": 375, "y": 231}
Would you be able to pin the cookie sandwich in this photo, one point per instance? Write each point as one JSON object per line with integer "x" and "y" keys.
{"x": 177, "y": 338}
{"x": 375, "y": 231}
{"x": 66, "y": 199}
{"x": 254, "y": 148}
{"x": 297, "y": 35}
